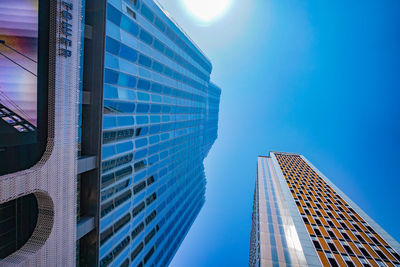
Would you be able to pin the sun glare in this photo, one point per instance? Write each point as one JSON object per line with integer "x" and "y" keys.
{"x": 207, "y": 10}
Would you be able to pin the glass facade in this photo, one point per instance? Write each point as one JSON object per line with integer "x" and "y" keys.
{"x": 322, "y": 223}
{"x": 160, "y": 115}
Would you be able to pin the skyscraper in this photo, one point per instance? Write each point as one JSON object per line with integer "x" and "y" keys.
{"x": 300, "y": 218}
{"x": 103, "y": 166}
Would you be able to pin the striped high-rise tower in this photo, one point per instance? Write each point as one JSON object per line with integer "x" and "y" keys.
{"x": 300, "y": 218}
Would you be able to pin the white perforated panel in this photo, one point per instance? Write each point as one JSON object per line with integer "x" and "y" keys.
{"x": 53, "y": 178}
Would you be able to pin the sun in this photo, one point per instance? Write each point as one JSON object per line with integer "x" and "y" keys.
{"x": 207, "y": 10}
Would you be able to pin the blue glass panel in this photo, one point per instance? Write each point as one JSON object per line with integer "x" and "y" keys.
{"x": 147, "y": 12}
{"x": 163, "y": 155}
{"x": 153, "y": 149}
{"x": 146, "y": 37}
{"x": 130, "y": 26}
{"x": 143, "y": 96}
{"x": 166, "y": 109}
{"x": 159, "y": 45}
{"x": 126, "y": 94}
{"x": 165, "y": 127}
{"x": 169, "y": 53}
{"x": 110, "y": 91}
{"x": 124, "y": 147}
{"x": 153, "y": 139}
{"x": 110, "y": 105}
{"x": 126, "y": 80}
{"x": 109, "y": 122}
{"x": 113, "y": 14}
{"x": 153, "y": 159}
{"x": 160, "y": 24}
{"x": 143, "y": 84}
{"x": 143, "y": 130}
{"x": 162, "y": 172}
{"x": 142, "y": 108}
{"x": 154, "y": 119}
{"x": 167, "y": 90}
{"x": 155, "y": 108}
{"x": 112, "y": 46}
{"x": 154, "y": 129}
{"x": 110, "y": 76}
{"x": 113, "y": 31}
{"x": 140, "y": 142}
{"x": 125, "y": 121}
{"x": 156, "y": 87}
{"x": 144, "y": 61}
{"x": 126, "y": 107}
{"x": 111, "y": 61}
{"x": 157, "y": 66}
{"x": 142, "y": 119}
{"x": 140, "y": 154}
{"x": 128, "y": 53}
{"x": 108, "y": 151}
{"x": 164, "y": 136}
{"x": 169, "y": 72}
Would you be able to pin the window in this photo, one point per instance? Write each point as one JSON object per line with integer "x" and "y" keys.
{"x": 316, "y": 243}
{"x": 332, "y": 260}
{"x": 331, "y": 234}
{"x": 139, "y": 208}
{"x": 131, "y": 13}
{"x": 137, "y": 230}
{"x": 136, "y": 251}
{"x": 332, "y": 247}
{"x": 139, "y": 187}
{"x": 147, "y": 13}
{"x": 149, "y": 236}
{"x": 18, "y": 220}
{"x": 104, "y": 236}
{"x": 317, "y": 232}
{"x": 150, "y": 180}
{"x": 151, "y": 198}
{"x": 139, "y": 165}
{"x": 123, "y": 173}
{"x": 125, "y": 263}
{"x": 122, "y": 222}
{"x": 148, "y": 255}
{"x": 151, "y": 217}
{"x": 348, "y": 261}
{"x": 348, "y": 250}
{"x": 107, "y": 208}
{"x": 144, "y": 61}
{"x": 146, "y": 37}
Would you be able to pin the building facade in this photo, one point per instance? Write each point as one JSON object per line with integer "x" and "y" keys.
{"x": 300, "y": 218}
{"x": 130, "y": 115}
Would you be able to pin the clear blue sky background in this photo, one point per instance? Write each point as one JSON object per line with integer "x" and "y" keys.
{"x": 321, "y": 78}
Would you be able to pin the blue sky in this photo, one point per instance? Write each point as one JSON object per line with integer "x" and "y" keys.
{"x": 320, "y": 78}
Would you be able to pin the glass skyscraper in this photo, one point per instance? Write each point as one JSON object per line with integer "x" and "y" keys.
{"x": 131, "y": 115}
{"x": 300, "y": 218}
{"x": 159, "y": 120}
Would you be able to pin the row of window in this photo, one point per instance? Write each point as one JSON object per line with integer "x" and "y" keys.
{"x": 106, "y": 261}
{"x": 129, "y": 107}
{"x": 130, "y": 26}
{"x": 112, "y": 136}
{"x": 119, "y": 49}
{"x": 112, "y": 230}
{"x": 113, "y": 204}
{"x": 152, "y": 18}
{"x": 111, "y": 92}
{"x": 314, "y": 199}
{"x": 113, "y": 163}
{"x": 114, "y": 177}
